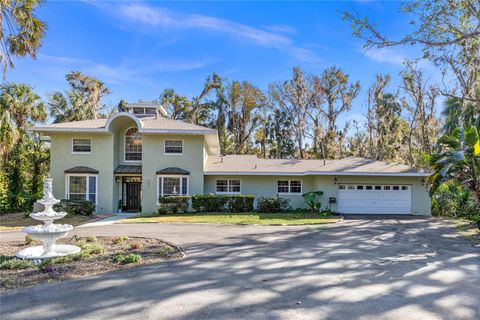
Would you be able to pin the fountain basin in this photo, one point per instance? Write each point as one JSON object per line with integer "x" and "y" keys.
{"x": 48, "y": 234}
{"x": 40, "y": 216}
{"x": 39, "y": 252}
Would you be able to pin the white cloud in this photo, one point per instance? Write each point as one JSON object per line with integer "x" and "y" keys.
{"x": 158, "y": 17}
{"x": 120, "y": 73}
{"x": 385, "y": 55}
{"x": 281, "y": 28}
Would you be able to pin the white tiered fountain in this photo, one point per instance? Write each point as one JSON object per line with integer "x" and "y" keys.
{"x": 49, "y": 232}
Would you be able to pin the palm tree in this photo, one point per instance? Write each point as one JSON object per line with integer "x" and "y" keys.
{"x": 458, "y": 160}
{"x": 19, "y": 106}
{"x": 21, "y": 32}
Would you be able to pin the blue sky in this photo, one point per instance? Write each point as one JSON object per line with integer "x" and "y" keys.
{"x": 140, "y": 48}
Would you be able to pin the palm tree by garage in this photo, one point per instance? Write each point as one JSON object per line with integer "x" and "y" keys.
{"x": 459, "y": 159}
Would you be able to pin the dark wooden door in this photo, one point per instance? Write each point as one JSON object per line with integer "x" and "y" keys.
{"x": 133, "y": 196}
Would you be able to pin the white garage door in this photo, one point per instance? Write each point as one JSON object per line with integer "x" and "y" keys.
{"x": 374, "y": 199}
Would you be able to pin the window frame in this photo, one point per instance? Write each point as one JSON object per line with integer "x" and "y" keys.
{"x": 87, "y": 191}
{"x": 290, "y": 188}
{"x": 228, "y": 186}
{"x": 81, "y": 152}
{"x": 125, "y": 147}
{"x": 179, "y": 176}
{"x": 172, "y": 154}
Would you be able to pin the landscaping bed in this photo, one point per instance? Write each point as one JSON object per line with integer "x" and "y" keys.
{"x": 99, "y": 255}
{"x": 243, "y": 218}
{"x": 16, "y": 221}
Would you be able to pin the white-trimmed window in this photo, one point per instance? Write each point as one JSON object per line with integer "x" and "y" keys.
{"x": 133, "y": 145}
{"x": 228, "y": 186}
{"x": 81, "y": 145}
{"x": 172, "y": 185}
{"x": 173, "y": 147}
{"x": 289, "y": 186}
{"x": 82, "y": 187}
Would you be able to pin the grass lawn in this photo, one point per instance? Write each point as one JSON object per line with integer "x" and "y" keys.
{"x": 16, "y": 221}
{"x": 244, "y": 218}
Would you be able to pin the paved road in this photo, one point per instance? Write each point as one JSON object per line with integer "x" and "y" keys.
{"x": 362, "y": 268}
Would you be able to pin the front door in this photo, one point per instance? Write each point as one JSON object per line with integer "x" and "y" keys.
{"x": 133, "y": 196}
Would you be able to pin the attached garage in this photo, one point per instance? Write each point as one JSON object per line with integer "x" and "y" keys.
{"x": 374, "y": 199}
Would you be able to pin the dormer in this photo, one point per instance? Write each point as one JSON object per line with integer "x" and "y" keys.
{"x": 145, "y": 109}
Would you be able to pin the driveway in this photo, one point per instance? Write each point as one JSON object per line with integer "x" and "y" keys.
{"x": 362, "y": 268}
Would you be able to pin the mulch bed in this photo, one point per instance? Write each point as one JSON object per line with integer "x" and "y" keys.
{"x": 151, "y": 250}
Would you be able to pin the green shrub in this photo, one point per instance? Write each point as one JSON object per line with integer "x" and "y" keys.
{"x": 327, "y": 211}
{"x": 165, "y": 251}
{"x": 129, "y": 258}
{"x": 173, "y": 204}
{"x": 273, "y": 204}
{"x": 452, "y": 200}
{"x": 90, "y": 247}
{"x": 78, "y": 207}
{"x": 92, "y": 239}
{"x": 312, "y": 199}
{"x": 222, "y": 203}
{"x": 5, "y": 258}
{"x": 16, "y": 264}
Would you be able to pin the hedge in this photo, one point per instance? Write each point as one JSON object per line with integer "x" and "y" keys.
{"x": 173, "y": 204}
{"x": 222, "y": 203}
{"x": 273, "y": 204}
{"x": 80, "y": 207}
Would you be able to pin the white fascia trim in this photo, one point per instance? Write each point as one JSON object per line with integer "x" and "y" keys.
{"x": 319, "y": 173}
{"x": 58, "y": 129}
{"x": 177, "y": 131}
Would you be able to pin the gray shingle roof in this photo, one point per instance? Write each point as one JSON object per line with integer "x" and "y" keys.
{"x": 173, "y": 170}
{"x": 81, "y": 169}
{"x": 240, "y": 164}
{"x": 124, "y": 169}
{"x": 148, "y": 123}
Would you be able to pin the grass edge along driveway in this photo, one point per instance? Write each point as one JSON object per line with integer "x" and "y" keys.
{"x": 243, "y": 218}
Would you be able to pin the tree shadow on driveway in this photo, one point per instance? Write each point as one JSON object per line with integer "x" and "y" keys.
{"x": 367, "y": 267}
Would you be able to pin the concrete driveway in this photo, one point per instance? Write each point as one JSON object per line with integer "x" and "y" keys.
{"x": 362, "y": 268}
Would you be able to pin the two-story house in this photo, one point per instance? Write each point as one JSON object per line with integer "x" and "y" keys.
{"x": 132, "y": 158}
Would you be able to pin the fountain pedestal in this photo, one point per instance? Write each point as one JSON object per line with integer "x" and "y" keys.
{"x": 49, "y": 232}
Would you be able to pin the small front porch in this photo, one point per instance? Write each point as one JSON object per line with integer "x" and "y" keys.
{"x": 129, "y": 182}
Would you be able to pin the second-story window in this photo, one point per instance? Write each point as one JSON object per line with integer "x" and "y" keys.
{"x": 173, "y": 147}
{"x": 81, "y": 146}
{"x": 133, "y": 145}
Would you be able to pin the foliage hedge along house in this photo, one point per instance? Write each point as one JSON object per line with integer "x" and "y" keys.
{"x": 129, "y": 160}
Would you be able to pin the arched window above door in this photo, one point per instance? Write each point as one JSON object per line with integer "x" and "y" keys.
{"x": 133, "y": 145}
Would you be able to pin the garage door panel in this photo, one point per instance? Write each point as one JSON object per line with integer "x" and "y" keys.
{"x": 374, "y": 201}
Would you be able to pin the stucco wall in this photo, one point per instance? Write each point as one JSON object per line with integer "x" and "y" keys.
{"x": 264, "y": 186}
{"x": 267, "y": 186}
{"x": 154, "y": 159}
{"x": 101, "y": 159}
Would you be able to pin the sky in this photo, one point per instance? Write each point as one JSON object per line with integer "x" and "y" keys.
{"x": 138, "y": 49}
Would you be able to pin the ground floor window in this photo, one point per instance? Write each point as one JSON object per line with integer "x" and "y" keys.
{"x": 289, "y": 186}
{"x": 172, "y": 186}
{"x": 82, "y": 187}
{"x": 228, "y": 186}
